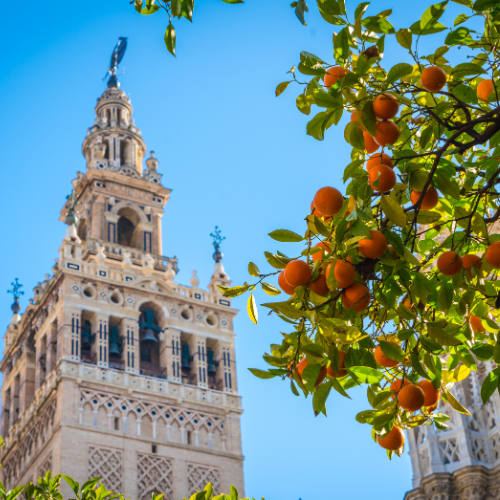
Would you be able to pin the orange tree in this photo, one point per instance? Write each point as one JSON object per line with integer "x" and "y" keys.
{"x": 396, "y": 286}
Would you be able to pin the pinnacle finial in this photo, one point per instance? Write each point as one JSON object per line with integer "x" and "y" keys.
{"x": 218, "y": 239}
{"x": 16, "y": 293}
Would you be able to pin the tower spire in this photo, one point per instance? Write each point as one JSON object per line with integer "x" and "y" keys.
{"x": 16, "y": 307}
{"x": 219, "y": 277}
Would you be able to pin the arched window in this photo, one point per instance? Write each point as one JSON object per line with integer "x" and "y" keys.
{"x": 82, "y": 230}
{"x": 149, "y": 330}
{"x": 128, "y": 233}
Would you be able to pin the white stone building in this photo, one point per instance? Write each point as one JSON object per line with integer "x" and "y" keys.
{"x": 115, "y": 370}
{"x": 462, "y": 462}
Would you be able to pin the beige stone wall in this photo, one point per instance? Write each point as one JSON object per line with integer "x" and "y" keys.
{"x": 467, "y": 483}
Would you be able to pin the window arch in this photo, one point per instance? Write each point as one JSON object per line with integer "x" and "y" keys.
{"x": 128, "y": 232}
{"x": 149, "y": 329}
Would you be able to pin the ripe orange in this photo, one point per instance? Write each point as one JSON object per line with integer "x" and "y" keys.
{"x": 325, "y": 248}
{"x": 297, "y": 273}
{"x": 484, "y": 89}
{"x": 331, "y": 372}
{"x": 492, "y": 255}
{"x": 322, "y": 373}
{"x": 343, "y": 271}
{"x": 475, "y": 324}
{"x": 407, "y": 304}
{"x": 315, "y": 211}
{"x": 411, "y": 398}
{"x": 383, "y": 360}
{"x": 354, "y": 118}
{"x": 385, "y": 106}
{"x": 433, "y": 79}
{"x": 431, "y": 395}
{"x": 387, "y": 133}
{"x": 328, "y": 201}
{"x": 283, "y": 284}
{"x": 374, "y": 248}
{"x": 396, "y": 386}
{"x": 378, "y": 159}
{"x": 471, "y": 261}
{"x": 357, "y": 296}
{"x": 333, "y": 74}
{"x": 449, "y": 263}
{"x": 386, "y": 178}
{"x": 371, "y": 145}
{"x": 319, "y": 286}
{"x": 393, "y": 440}
{"x": 431, "y": 198}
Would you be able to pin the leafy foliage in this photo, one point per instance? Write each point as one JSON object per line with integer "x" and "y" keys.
{"x": 173, "y": 8}
{"x": 447, "y": 141}
{"x": 48, "y": 488}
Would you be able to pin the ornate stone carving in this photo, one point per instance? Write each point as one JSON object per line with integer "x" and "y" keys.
{"x": 108, "y": 464}
{"x": 154, "y": 475}
{"x": 46, "y": 466}
{"x": 199, "y": 475}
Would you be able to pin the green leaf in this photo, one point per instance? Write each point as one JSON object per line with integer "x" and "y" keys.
{"x": 72, "y": 483}
{"x": 303, "y": 103}
{"x": 252, "y": 309}
{"x": 481, "y": 5}
{"x": 320, "y": 396}
{"x": 490, "y": 385}
{"x": 404, "y": 38}
{"x": 175, "y": 7}
{"x": 261, "y": 373}
{"x": 421, "y": 287}
{"x": 310, "y": 375}
{"x": 392, "y": 351}
{"x": 317, "y": 126}
{"x": 378, "y": 25}
{"x": 284, "y": 235}
{"x": 456, "y": 404}
{"x": 341, "y": 45}
{"x": 445, "y": 296}
{"x": 484, "y": 352}
{"x": 439, "y": 336}
{"x": 393, "y": 210}
{"x": 146, "y": 11}
{"x": 285, "y": 308}
{"x": 281, "y": 88}
{"x": 464, "y": 93}
{"x": 399, "y": 71}
{"x": 336, "y": 385}
{"x": 461, "y": 18}
{"x": 170, "y": 39}
{"x": 366, "y": 374}
{"x": 275, "y": 261}
{"x": 253, "y": 270}
{"x": 354, "y": 136}
{"x": 417, "y": 30}
{"x": 368, "y": 118}
{"x": 432, "y": 15}
{"x": 466, "y": 69}
{"x": 270, "y": 289}
{"x": 417, "y": 366}
{"x": 467, "y": 3}
{"x": 459, "y": 36}
{"x": 234, "y": 291}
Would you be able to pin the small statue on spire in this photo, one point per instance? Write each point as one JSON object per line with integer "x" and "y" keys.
{"x": 16, "y": 293}
{"x": 218, "y": 239}
{"x": 116, "y": 57}
{"x": 71, "y": 203}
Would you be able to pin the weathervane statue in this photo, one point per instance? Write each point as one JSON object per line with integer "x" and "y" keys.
{"x": 218, "y": 239}
{"x": 116, "y": 57}
{"x": 16, "y": 293}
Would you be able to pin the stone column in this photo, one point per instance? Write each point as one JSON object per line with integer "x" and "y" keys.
{"x": 100, "y": 344}
{"x": 6, "y": 396}
{"x": 97, "y": 229}
{"x": 41, "y": 358}
{"x": 198, "y": 349}
{"x": 170, "y": 356}
{"x": 156, "y": 221}
{"x": 226, "y": 371}
{"x": 69, "y": 337}
{"x": 14, "y": 401}
{"x": 51, "y": 347}
{"x": 129, "y": 330}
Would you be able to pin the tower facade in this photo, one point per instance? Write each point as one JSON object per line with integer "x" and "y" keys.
{"x": 463, "y": 461}
{"x": 114, "y": 370}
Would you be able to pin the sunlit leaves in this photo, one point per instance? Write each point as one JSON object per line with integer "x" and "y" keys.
{"x": 285, "y": 235}
{"x": 281, "y": 88}
{"x": 432, "y": 15}
{"x": 399, "y": 71}
{"x": 170, "y": 39}
{"x": 341, "y": 45}
{"x": 378, "y": 25}
{"x": 404, "y": 38}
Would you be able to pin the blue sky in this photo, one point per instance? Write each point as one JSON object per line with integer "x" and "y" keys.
{"x": 235, "y": 156}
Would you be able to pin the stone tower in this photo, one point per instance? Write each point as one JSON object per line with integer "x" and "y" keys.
{"x": 115, "y": 370}
{"x": 462, "y": 462}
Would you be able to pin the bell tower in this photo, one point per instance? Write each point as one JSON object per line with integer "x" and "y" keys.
{"x": 114, "y": 369}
